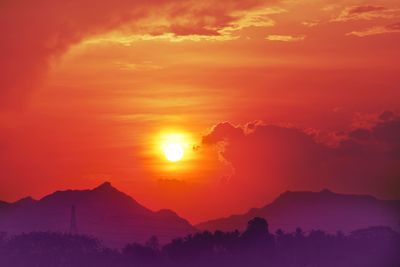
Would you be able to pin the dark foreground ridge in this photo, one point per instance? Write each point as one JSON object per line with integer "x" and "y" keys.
{"x": 256, "y": 246}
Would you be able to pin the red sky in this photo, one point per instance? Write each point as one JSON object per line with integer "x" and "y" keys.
{"x": 272, "y": 95}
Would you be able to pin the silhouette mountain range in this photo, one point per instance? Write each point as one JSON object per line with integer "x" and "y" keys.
{"x": 103, "y": 212}
{"x": 117, "y": 219}
{"x": 324, "y": 210}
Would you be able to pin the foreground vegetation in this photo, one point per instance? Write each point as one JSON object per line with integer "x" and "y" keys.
{"x": 372, "y": 247}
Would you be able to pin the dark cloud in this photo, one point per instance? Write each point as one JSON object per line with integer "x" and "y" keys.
{"x": 279, "y": 157}
{"x": 387, "y": 115}
{"x": 266, "y": 156}
{"x": 387, "y": 132}
{"x": 222, "y": 132}
{"x": 360, "y": 134}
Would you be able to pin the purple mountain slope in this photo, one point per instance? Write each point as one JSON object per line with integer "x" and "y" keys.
{"x": 3, "y": 204}
{"x": 323, "y": 210}
{"x": 104, "y": 212}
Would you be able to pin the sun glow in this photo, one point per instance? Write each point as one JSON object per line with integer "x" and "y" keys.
{"x": 173, "y": 146}
{"x": 173, "y": 152}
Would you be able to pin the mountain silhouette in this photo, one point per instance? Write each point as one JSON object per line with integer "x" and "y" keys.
{"x": 103, "y": 212}
{"x": 323, "y": 210}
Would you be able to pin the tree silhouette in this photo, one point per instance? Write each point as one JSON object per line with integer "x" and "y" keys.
{"x": 256, "y": 246}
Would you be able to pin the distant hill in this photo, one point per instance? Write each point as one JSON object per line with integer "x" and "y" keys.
{"x": 103, "y": 212}
{"x": 3, "y": 204}
{"x": 116, "y": 218}
{"x": 323, "y": 210}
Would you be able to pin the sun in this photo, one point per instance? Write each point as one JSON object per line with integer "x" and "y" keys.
{"x": 174, "y": 146}
{"x": 173, "y": 152}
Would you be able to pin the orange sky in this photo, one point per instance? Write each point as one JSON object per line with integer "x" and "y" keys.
{"x": 89, "y": 88}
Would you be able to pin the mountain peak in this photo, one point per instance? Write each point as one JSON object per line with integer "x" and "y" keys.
{"x": 105, "y": 186}
{"x": 326, "y": 191}
{"x": 25, "y": 201}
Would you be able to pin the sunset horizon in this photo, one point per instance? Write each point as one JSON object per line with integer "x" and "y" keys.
{"x": 200, "y": 110}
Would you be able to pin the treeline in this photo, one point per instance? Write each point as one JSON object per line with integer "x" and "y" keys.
{"x": 371, "y": 247}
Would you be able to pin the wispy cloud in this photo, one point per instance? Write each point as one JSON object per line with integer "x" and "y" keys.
{"x": 366, "y": 12}
{"x": 310, "y": 23}
{"x": 392, "y": 28}
{"x": 255, "y": 18}
{"x": 286, "y": 38}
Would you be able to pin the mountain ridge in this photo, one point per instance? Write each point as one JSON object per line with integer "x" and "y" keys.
{"x": 105, "y": 212}
{"x": 117, "y": 218}
{"x": 299, "y": 208}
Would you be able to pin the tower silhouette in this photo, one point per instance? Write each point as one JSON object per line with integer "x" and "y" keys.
{"x": 73, "y": 228}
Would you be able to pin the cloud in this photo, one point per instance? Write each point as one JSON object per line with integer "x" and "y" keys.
{"x": 387, "y": 115}
{"x": 310, "y": 24}
{"x": 392, "y": 28}
{"x": 273, "y": 157}
{"x": 36, "y": 33}
{"x": 285, "y": 38}
{"x": 366, "y": 12}
{"x": 364, "y": 9}
{"x": 223, "y": 131}
{"x": 255, "y": 18}
{"x": 388, "y": 132}
{"x": 259, "y": 151}
{"x": 360, "y": 134}
{"x": 220, "y": 26}
{"x": 382, "y": 135}
{"x": 129, "y": 40}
